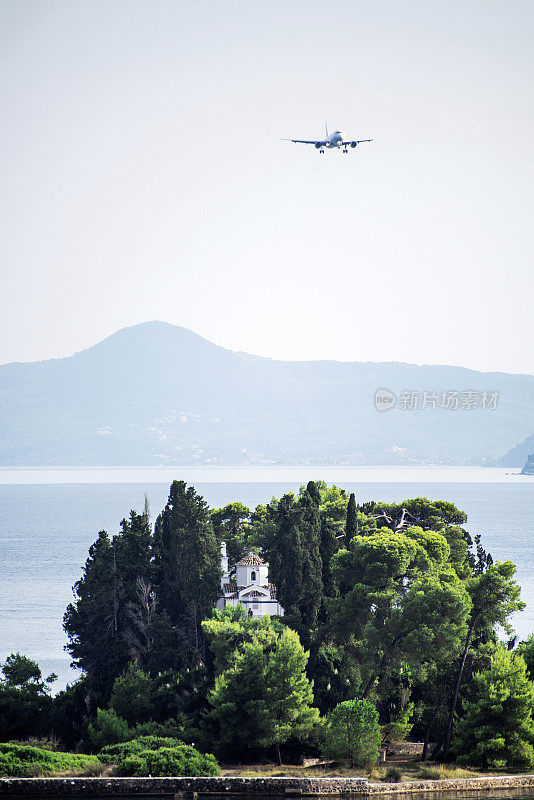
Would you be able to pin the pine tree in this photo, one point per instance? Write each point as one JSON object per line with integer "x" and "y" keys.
{"x": 264, "y": 697}
{"x": 102, "y": 627}
{"x": 92, "y": 620}
{"x": 497, "y": 729}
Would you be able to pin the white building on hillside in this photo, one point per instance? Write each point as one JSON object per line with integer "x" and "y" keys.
{"x": 249, "y": 586}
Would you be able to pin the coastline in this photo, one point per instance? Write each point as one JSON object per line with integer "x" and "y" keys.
{"x": 487, "y": 786}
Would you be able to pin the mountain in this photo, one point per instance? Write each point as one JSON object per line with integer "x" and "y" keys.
{"x": 517, "y": 456}
{"x": 157, "y": 393}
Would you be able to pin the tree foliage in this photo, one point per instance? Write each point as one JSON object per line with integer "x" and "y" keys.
{"x": 25, "y": 703}
{"x": 395, "y": 602}
{"x": 264, "y": 697}
{"x": 352, "y": 733}
{"x": 187, "y": 565}
{"x": 497, "y": 729}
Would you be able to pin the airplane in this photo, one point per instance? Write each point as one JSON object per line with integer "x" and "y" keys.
{"x": 332, "y": 142}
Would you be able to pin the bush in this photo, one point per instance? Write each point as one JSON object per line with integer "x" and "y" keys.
{"x": 400, "y": 727}
{"x": 183, "y": 761}
{"x": 158, "y": 756}
{"x": 352, "y": 733}
{"x": 19, "y": 761}
{"x": 11, "y": 767}
{"x": 46, "y": 743}
{"x": 393, "y": 775}
{"x": 115, "y": 753}
{"x": 108, "y": 728}
{"x": 132, "y": 765}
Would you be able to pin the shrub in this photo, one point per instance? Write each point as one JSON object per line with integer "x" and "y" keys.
{"x": 400, "y": 727}
{"x": 46, "y": 743}
{"x": 352, "y": 733}
{"x": 11, "y": 767}
{"x": 19, "y": 760}
{"x": 116, "y": 753}
{"x": 183, "y": 760}
{"x": 393, "y": 775}
{"x": 108, "y": 728}
{"x": 132, "y": 765}
{"x": 158, "y": 756}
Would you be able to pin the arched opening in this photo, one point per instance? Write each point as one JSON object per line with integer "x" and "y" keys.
{"x": 250, "y": 613}
{"x": 252, "y": 576}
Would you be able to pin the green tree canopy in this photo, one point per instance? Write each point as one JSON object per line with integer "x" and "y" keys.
{"x": 496, "y": 729}
{"x": 187, "y": 566}
{"x": 264, "y": 697}
{"x": 131, "y": 697}
{"x": 526, "y": 649}
{"x": 232, "y": 525}
{"x": 400, "y": 600}
{"x": 352, "y": 733}
{"x": 108, "y": 622}
{"x": 494, "y": 596}
{"x": 25, "y": 702}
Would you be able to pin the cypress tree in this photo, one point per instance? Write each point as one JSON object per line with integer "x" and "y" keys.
{"x": 295, "y": 557}
{"x": 309, "y": 523}
{"x": 286, "y": 555}
{"x": 187, "y": 566}
{"x": 329, "y": 547}
{"x": 351, "y": 526}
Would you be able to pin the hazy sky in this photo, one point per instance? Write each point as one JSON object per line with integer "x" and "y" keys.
{"x": 143, "y": 176}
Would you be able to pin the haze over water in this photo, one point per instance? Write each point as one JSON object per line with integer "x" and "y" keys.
{"x": 49, "y": 517}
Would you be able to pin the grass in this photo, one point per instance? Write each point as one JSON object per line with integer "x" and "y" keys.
{"x": 440, "y": 772}
{"x": 399, "y": 771}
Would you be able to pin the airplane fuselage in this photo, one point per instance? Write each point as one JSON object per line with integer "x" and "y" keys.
{"x": 336, "y": 140}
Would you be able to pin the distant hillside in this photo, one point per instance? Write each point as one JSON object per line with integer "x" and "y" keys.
{"x": 156, "y": 393}
{"x": 517, "y": 456}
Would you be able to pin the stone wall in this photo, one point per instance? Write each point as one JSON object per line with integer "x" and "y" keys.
{"x": 274, "y": 787}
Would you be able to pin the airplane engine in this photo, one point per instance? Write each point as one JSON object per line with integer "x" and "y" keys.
{"x": 318, "y": 145}
{"x": 353, "y": 144}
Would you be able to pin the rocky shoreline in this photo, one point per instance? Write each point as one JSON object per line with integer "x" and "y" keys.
{"x": 274, "y": 787}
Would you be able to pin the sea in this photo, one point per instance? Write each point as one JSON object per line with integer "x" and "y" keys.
{"x": 50, "y": 516}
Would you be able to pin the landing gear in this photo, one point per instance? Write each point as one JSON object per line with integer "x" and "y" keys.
{"x": 345, "y": 151}
{"x": 321, "y": 151}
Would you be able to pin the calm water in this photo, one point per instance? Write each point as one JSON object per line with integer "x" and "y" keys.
{"x": 50, "y": 517}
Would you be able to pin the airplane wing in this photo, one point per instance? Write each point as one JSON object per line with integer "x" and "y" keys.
{"x": 301, "y": 141}
{"x": 358, "y": 141}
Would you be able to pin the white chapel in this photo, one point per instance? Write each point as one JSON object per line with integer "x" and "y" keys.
{"x": 249, "y": 586}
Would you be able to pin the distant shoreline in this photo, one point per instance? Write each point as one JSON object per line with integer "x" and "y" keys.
{"x": 300, "y": 473}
